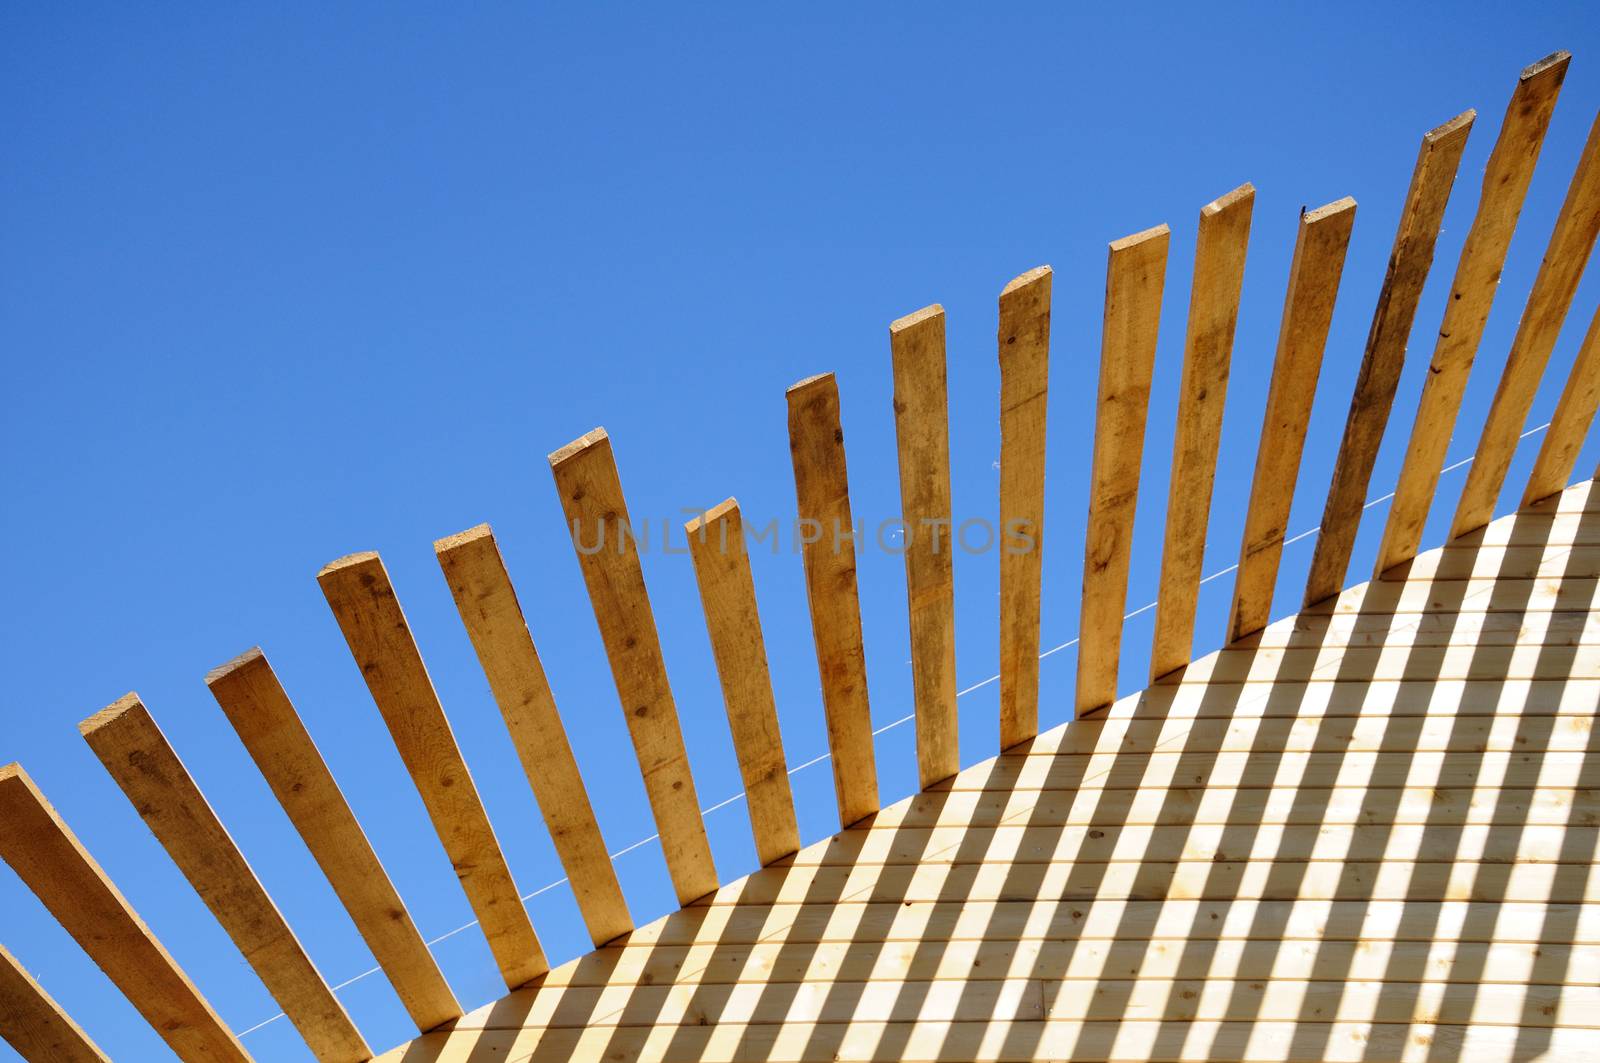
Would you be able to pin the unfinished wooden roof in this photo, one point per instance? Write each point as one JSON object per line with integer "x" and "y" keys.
{"x": 1366, "y": 831}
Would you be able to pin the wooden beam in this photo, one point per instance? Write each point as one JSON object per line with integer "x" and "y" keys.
{"x": 1219, "y": 256}
{"x": 1024, "y": 342}
{"x": 822, "y": 496}
{"x": 1384, "y": 355}
{"x": 35, "y": 1025}
{"x": 265, "y": 719}
{"x": 1314, "y": 274}
{"x": 597, "y": 515}
{"x": 1135, "y": 274}
{"x": 922, "y": 428}
{"x": 1570, "y": 423}
{"x": 133, "y": 749}
{"x": 493, "y": 617}
{"x": 51, "y": 862}
{"x": 363, "y": 601}
{"x": 1573, "y": 239}
{"x": 728, "y": 595}
{"x": 1483, "y": 256}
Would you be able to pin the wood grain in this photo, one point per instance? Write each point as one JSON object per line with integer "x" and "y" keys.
{"x": 1385, "y": 351}
{"x": 597, "y": 515}
{"x": 363, "y": 601}
{"x": 489, "y": 609}
{"x": 728, "y": 596}
{"x": 34, "y": 1025}
{"x": 266, "y": 721}
{"x": 922, "y": 429}
{"x": 1570, "y": 423}
{"x": 138, "y": 756}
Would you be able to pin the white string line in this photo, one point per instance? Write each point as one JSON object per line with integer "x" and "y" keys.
{"x": 642, "y": 842}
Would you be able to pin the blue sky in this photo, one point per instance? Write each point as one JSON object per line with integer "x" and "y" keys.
{"x": 285, "y": 284}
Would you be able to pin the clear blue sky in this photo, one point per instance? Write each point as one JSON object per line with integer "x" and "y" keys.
{"x": 285, "y": 284}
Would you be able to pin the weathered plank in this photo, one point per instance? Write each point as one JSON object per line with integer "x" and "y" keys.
{"x": 34, "y": 1024}
{"x": 822, "y": 492}
{"x": 1024, "y": 343}
{"x": 1219, "y": 255}
{"x": 728, "y": 596}
{"x": 1570, "y": 423}
{"x": 1314, "y": 274}
{"x": 1135, "y": 274}
{"x": 1576, "y": 229}
{"x": 922, "y": 428}
{"x": 50, "y": 860}
{"x": 1472, "y": 292}
{"x": 137, "y": 755}
{"x": 488, "y": 605}
{"x": 597, "y": 515}
{"x": 364, "y": 604}
{"x": 1384, "y": 354}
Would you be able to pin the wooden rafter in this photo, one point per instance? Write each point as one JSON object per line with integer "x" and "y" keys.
{"x": 1570, "y": 423}
{"x": 34, "y": 1024}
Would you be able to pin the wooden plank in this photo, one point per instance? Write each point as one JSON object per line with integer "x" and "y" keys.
{"x": 137, "y": 755}
{"x": 1573, "y": 239}
{"x": 1423, "y": 662}
{"x": 1319, "y": 250}
{"x": 1474, "y": 595}
{"x": 1316, "y": 698}
{"x": 822, "y": 493}
{"x": 1384, "y": 355}
{"x": 489, "y": 609}
{"x": 597, "y": 515}
{"x": 1024, "y": 344}
{"x": 1570, "y": 423}
{"x": 363, "y": 601}
{"x": 34, "y": 1024}
{"x": 51, "y": 862}
{"x": 922, "y": 427}
{"x": 1569, "y": 628}
{"x": 266, "y": 721}
{"x": 1135, "y": 273}
{"x": 1219, "y": 256}
{"x": 728, "y": 596}
{"x": 1477, "y": 278}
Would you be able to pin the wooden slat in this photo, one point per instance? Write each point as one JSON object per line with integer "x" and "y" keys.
{"x": 1024, "y": 343}
{"x": 822, "y": 492}
{"x": 1135, "y": 273}
{"x": 1319, "y": 249}
{"x": 597, "y": 515}
{"x": 1565, "y": 628}
{"x": 728, "y": 596}
{"x": 1573, "y": 239}
{"x": 130, "y": 745}
{"x": 1384, "y": 354}
{"x": 363, "y": 601}
{"x": 51, "y": 861}
{"x": 1219, "y": 258}
{"x": 266, "y": 721}
{"x": 1570, "y": 423}
{"x": 1483, "y": 255}
{"x": 489, "y": 609}
{"x": 35, "y": 1025}
{"x": 922, "y": 427}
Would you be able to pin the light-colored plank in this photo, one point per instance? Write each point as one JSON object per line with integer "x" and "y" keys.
{"x": 1483, "y": 255}
{"x": 1314, "y": 274}
{"x": 728, "y": 596}
{"x": 51, "y": 862}
{"x": 1573, "y": 239}
{"x": 265, "y": 719}
{"x": 1024, "y": 343}
{"x": 1504, "y": 563}
{"x": 363, "y": 602}
{"x": 34, "y": 1024}
{"x": 1464, "y": 596}
{"x": 1570, "y": 423}
{"x": 1135, "y": 274}
{"x": 1384, "y": 354}
{"x": 1430, "y": 629}
{"x": 1219, "y": 256}
{"x": 137, "y": 755}
{"x": 822, "y": 493}
{"x": 922, "y": 428}
{"x": 488, "y": 605}
{"x": 597, "y": 515}
{"x": 1398, "y": 662}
